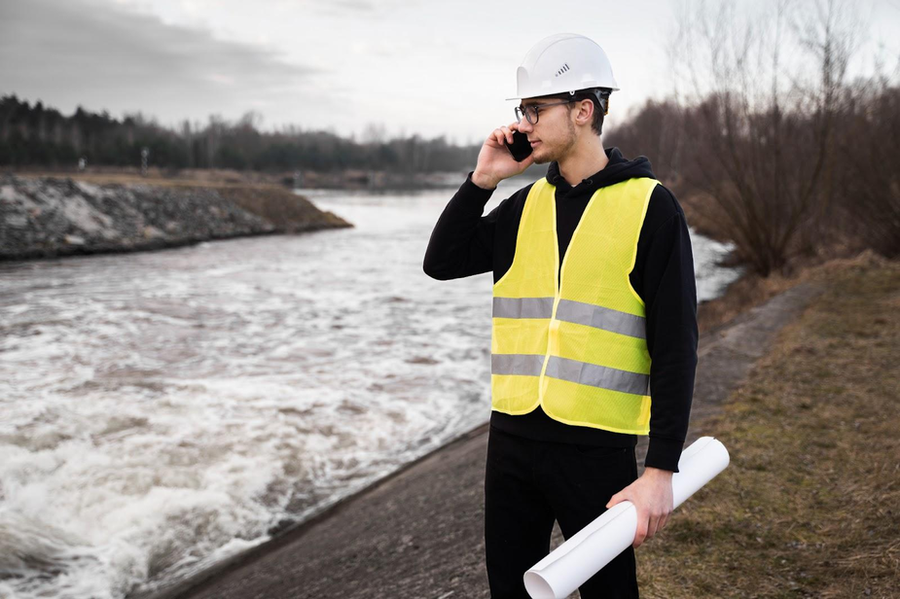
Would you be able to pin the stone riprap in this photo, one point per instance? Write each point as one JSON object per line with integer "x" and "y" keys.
{"x": 47, "y": 217}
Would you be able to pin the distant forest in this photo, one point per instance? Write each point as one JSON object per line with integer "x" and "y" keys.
{"x": 37, "y": 135}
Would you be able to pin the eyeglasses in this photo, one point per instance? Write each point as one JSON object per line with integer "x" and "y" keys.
{"x": 533, "y": 112}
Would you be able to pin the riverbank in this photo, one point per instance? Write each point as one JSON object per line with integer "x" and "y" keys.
{"x": 419, "y": 532}
{"x": 345, "y": 179}
{"x": 43, "y": 217}
{"x": 808, "y": 505}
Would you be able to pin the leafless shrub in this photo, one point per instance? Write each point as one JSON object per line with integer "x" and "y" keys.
{"x": 759, "y": 130}
{"x": 867, "y": 180}
{"x": 654, "y": 130}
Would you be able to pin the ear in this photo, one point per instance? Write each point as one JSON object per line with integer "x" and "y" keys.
{"x": 584, "y": 115}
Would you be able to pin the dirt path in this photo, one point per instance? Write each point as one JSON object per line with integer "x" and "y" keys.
{"x": 418, "y": 533}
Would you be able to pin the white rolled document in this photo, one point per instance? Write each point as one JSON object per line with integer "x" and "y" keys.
{"x": 571, "y": 564}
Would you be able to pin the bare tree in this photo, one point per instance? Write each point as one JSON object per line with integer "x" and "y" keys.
{"x": 760, "y": 141}
{"x": 830, "y": 38}
{"x": 867, "y": 181}
{"x": 655, "y": 130}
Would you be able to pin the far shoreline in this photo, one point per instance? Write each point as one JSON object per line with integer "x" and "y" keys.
{"x": 46, "y": 217}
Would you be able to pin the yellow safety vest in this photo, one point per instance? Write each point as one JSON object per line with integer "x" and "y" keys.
{"x": 577, "y": 344}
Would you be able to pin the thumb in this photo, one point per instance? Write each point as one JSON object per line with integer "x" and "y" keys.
{"x": 617, "y": 498}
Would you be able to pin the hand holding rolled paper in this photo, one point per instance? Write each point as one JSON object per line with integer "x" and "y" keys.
{"x": 651, "y": 495}
{"x": 571, "y": 564}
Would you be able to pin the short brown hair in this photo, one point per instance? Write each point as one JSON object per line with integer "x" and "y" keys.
{"x": 600, "y": 97}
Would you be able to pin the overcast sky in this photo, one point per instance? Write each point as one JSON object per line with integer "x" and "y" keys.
{"x": 415, "y": 66}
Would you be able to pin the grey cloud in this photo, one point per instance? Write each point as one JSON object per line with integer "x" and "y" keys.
{"x": 371, "y": 8}
{"x": 69, "y": 53}
{"x": 353, "y": 5}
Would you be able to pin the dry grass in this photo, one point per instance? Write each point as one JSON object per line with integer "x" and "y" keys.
{"x": 703, "y": 214}
{"x": 808, "y": 507}
{"x": 752, "y": 290}
{"x": 184, "y": 178}
{"x": 747, "y": 292}
{"x": 254, "y": 192}
{"x": 290, "y": 212}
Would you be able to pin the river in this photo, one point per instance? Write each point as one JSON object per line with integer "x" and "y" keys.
{"x": 164, "y": 410}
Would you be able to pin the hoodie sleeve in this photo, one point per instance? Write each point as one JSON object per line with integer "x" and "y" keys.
{"x": 669, "y": 290}
{"x": 462, "y": 240}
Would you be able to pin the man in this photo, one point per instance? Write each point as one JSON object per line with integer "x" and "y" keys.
{"x": 594, "y": 306}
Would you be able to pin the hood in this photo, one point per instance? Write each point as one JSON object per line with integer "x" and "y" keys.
{"x": 617, "y": 170}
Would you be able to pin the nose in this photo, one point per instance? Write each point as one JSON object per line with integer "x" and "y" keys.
{"x": 525, "y": 126}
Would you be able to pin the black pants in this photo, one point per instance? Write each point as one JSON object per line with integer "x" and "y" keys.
{"x": 528, "y": 484}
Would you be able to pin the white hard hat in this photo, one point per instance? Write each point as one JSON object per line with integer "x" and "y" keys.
{"x": 565, "y": 62}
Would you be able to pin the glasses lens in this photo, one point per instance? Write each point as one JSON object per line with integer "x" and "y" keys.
{"x": 531, "y": 113}
{"x": 518, "y": 114}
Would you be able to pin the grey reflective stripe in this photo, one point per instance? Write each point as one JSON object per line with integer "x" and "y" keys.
{"x": 527, "y": 364}
{"x": 525, "y": 307}
{"x": 602, "y": 318}
{"x": 598, "y": 376}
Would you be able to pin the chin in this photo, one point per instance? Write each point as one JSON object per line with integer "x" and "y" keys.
{"x": 541, "y": 157}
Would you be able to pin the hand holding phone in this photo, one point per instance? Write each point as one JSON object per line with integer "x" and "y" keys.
{"x": 494, "y": 164}
{"x": 520, "y": 148}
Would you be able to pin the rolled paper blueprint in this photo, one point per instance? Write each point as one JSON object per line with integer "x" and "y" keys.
{"x": 571, "y": 564}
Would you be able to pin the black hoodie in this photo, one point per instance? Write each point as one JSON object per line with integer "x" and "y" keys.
{"x": 466, "y": 243}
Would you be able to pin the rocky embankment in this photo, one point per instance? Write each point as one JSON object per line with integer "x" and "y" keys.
{"x": 47, "y": 217}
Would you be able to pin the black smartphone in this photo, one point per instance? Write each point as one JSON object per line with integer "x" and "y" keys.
{"x": 519, "y": 148}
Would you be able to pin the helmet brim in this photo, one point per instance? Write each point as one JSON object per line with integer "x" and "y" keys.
{"x": 565, "y": 91}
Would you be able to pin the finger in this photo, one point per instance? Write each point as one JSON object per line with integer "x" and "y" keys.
{"x": 652, "y": 527}
{"x": 663, "y": 521}
{"x": 640, "y": 534}
{"x": 507, "y": 132}
{"x": 618, "y": 497}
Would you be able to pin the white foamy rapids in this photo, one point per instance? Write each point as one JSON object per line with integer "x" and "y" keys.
{"x": 162, "y": 411}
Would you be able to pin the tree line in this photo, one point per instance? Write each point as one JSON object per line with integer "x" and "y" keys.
{"x": 36, "y": 135}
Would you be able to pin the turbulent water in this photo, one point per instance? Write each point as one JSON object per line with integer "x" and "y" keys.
{"x": 161, "y": 411}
